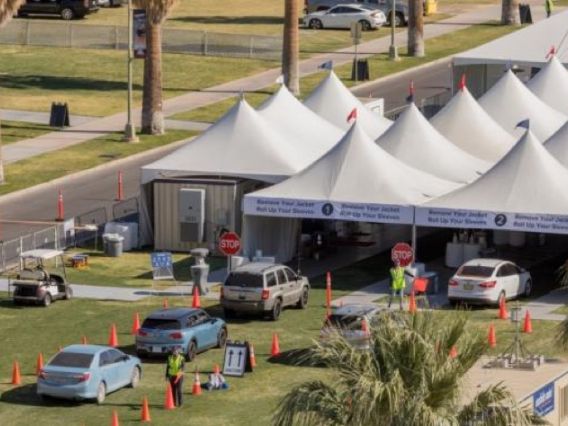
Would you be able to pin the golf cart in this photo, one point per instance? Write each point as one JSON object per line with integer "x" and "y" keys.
{"x": 41, "y": 278}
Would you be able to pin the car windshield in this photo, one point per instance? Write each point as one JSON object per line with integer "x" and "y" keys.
{"x": 72, "y": 359}
{"x": 161, "y": 324}
{"x": 344, "y": 321}
{"x": 244, "y": 279}
{"x": 476, "y": 271}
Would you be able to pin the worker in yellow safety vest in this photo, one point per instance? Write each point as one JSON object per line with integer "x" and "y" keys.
{"x": 397, "y": 283}
{"x": 548, "y": 7}
{"x": 174, "y": 373}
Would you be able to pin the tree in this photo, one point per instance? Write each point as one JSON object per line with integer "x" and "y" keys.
{"x": 291, "y": 47}
{"x": 510, "y": 12}
{"x": 8, "y": 9}
{"x": 156, "y": 13}
{"x": 416, "y": 28}
{"x": 406, "y": 377}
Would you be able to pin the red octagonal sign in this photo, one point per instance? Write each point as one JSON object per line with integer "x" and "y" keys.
{"x": 402, "y": 254}
{"x": 229, "y": 243}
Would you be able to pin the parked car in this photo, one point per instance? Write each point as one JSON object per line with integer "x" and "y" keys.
{"x": 343, "y": 15}
{"x": 109, "y": 3}
{"x": 88, "y": 372}
{"x": 347, "y": 321}
{"x": 263, "y": 288}
{"x": 489, "y": 281}
{"x": 67, "y": 9}
{"x": 41, "y": 279}
{"x": 385, "y": 6}
{"x": 189, "y": 329}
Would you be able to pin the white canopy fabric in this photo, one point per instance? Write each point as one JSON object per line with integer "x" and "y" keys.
{"x": 240, "y": 144}
{"x": 313, "y": 135}
{"x": 509, "y": 102}
{"x": 525, "y": 191}
{"x": 464, "y": 123}
{"x": 557, "y": 145}
{"x": 526, "y": 46}
{"x": 414, "y": 141}
{"x": 550, "y": 84}
{"x": 334, "y": 102}
{"x": 355, "y": 181}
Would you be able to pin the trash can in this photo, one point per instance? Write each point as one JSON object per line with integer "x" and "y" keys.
{"x": 525, "y": 14}
{"x": 113, "y": 244}
{"x": 360, "y": 70}
{"x": 200, "y": 271}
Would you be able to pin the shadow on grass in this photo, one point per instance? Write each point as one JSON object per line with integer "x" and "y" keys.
{"x": 231, "y": 20}
{"x": 47, "y": 82}
{"x": 295, "y": 358}
{"x": 26, "y": 395}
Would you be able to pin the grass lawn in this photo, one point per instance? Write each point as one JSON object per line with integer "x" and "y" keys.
{"x": 13, "y": 131}
{"x": 23, "y": 174}
{"x": 380, "y": 65}
{"x": 93, "y": 82}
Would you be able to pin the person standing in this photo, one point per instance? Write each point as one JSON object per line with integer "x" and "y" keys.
{"x": 174, "y": 373}
{"x": 548, "y": 7}
{"x": 397, "y": 283}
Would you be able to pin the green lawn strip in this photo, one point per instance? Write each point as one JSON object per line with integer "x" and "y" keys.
{"x": 94, "y": 82}
{"x": 14, "y": 131}
{"x": 563, "y": 310}
{"x": 380, "y": 66}
{"x": 132, "y": 269}
{"x": 43, "y": 168}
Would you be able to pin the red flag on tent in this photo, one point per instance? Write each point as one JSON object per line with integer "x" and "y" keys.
{"x": 551, "y": 52}
{"x": 352, "y": 115}
{"x": 410, "y": 97}
{"x": 461, "y": 86}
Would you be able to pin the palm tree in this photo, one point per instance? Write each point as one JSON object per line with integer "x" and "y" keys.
{"x": 156, "y": 13}
{"x": 8, "y": 9}
{"x": 406, "y": 377}
{"x": 510, "y": 12}
{"x": 291, "y": 47}
{"x": 416, "y": 28}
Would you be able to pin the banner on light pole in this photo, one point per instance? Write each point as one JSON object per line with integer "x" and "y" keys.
{"x": 139, "y": 33}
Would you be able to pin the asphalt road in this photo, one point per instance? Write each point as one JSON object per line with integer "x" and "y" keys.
{"x": 99, "y": 189}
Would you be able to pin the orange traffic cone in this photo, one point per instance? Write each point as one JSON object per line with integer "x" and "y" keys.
{"x": 145, "y": 417}
{"x": 135, "y": 324}
{"x": 16, "y": 378}
{"x": 491, "y": 338}
{"x": 275, "y": 350}
{"x": 196, "y": 390}
{"x": 503, "y": 310}
{"x": 84, "y": 340}
{"x": 412, "y": 303}
{"x": 252, "y": 357}
{"x": 196, "y": 303}
{"x": 169, "y": 402}
{"x": 216, "y": 369}
{"x": 527, "y": 328}
{"x": 165, "y": 304}
{"x": 114, "y": 421}
{"x": 453, "y": 352}
{"x": 328, "y": 291}
{"x": 112, "y": 338}
{"x": 39, "y": 363}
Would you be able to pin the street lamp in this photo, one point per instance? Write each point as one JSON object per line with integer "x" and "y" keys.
{"x": 393, "y": 52}
{"x": 129, "y": 129}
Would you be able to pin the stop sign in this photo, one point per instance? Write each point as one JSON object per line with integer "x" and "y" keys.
{"x": 402, "y": 254}
{"x": 229, "y": 243}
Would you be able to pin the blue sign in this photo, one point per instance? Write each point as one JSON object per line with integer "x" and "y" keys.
{"x": 161, "y": 260}
{"x": 543, "y": 400}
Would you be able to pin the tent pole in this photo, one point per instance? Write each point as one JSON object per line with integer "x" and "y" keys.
{"x": 413, "y": 242}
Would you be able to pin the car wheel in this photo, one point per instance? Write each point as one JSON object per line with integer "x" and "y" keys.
{"x": 303, "y": 301}
{"x": 191, "y": 351}
{"x": 67, "y": 14}
{"x": 101, "y": 393}
{"x": 68, "y": 293}
{"x": 365, "y": 25}
{"x": 276, "y": 310}
{"x": 46, "y": 301}
{"x": 502, "y": 298}
{"x": 222, "y": 337}
{"x": 528, "y": 288}
{"x": 315, "y": 24}
{"x": 135, "y": 377}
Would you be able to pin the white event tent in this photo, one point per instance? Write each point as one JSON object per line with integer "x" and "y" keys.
{"x": 334, "y": 102}
{"x": 557, "y": 145}
{"x": 299, "y": 124}
{"x": 550, "y": 84}
{"x": 414, "y": 141}
{"x": 509, "y": 102}
{"x": 464, "y": 123}
{"x": 524, "y": 191}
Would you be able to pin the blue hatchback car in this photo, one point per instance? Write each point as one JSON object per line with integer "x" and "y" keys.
{"x": 88, "y": 372}
{"x": 189, "y": 329}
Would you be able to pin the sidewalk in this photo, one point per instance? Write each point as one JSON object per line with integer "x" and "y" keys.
{"x": 98, "y": 127}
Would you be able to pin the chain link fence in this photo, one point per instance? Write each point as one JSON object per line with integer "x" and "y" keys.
{"x": 77, "y": 35}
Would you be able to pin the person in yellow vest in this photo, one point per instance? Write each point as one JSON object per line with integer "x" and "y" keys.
{"x": 397, "y": 283}
{"x": 174, "y": 373}
{"x": 548, "y": 7}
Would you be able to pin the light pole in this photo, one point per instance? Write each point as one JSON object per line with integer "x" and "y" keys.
{"x": 129, "y": 129}
{"x": 393, "y": 52}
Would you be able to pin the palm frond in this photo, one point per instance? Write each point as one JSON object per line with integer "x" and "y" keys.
{"x": 157, "y": 10}
{"x": 562, "y": 333}
{"x": 8, "y": 9}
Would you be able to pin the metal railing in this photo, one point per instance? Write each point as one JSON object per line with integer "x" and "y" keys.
{"x": 84, "y": 36}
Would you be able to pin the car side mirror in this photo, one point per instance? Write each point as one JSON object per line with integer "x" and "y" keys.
{"x": 126, "y": 357}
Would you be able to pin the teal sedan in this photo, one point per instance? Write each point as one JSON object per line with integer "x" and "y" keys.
{"x": 88, "y": 372}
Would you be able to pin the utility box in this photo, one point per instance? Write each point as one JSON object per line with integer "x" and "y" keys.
{"x": 191, "y": 214}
